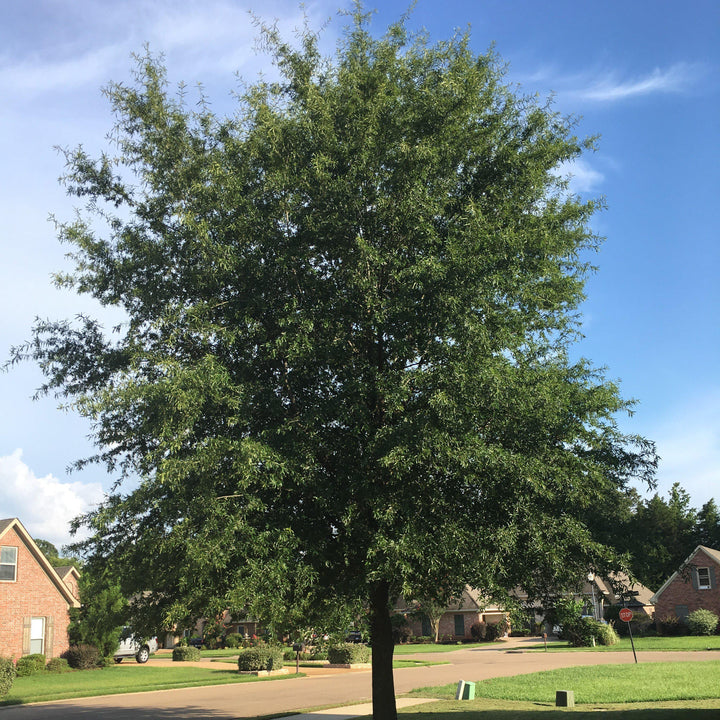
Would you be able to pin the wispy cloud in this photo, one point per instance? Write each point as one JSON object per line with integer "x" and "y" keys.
{"x": 675, "y": 79}
{"x": 44, "y": 505}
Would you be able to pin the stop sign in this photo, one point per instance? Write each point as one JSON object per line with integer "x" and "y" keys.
{"x": 626, "y": 614}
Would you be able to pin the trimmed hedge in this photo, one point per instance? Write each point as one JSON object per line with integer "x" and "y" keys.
{"x": 30, "y": 665}
{"x": 262, "y": 657}
{"x": 186, "y": 653}
{"x": 83, "y": 657}
{"x": 57, "y": 665}
{"x": 348, "y": 654}
{"x": 7, "y": 675}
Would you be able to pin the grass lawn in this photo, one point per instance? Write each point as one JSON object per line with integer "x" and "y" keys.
{"x": 485, "y": 709}
{"x": 121, "y": 679}
{"x": 432, "y": 648}
{"x": 688, "y": 643}
{"x": 601, "y": 684}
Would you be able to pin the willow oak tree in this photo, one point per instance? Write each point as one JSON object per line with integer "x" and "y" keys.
{"x": 345, "y": 371}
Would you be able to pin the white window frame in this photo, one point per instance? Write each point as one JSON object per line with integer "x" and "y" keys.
{"x": 13, "y": 564}
{"x": 37, "y": 635}
{"x": 704, "y": 579}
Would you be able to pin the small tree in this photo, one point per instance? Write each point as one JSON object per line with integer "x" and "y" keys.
{"x": 102, "y": 614}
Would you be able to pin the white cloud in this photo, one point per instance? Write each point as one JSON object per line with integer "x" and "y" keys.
{"x": 581, "y": 176}
{"x": 38, "y": 75}
{"x": 674, "y": 79}
{"x": 44, "y": 505}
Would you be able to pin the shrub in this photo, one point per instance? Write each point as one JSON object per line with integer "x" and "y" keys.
{"x": 57, "y": 665}
{"x": 669, "y": 626}
{"x": 606, "y": 635}
{"x": 7, "y": 675}
{"x": 186, "y": 654}
{"x": 233, "y": 640}
{"x": 492, "y": 632}
{"x": 348, "y": 653}
{"x": 702, "y": 622}
{"x": 582, "y": 632}
{"x": 30, "y": 665}
{"x": 83, "y": 657}
{"x": 477, "y": 630}
{"x": 318, "y": 654}
{"x": 262, "y": 657}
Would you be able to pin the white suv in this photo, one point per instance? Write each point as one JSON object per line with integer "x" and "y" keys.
{"x": 131, "y": 646}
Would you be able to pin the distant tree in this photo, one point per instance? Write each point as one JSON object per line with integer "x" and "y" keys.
{"x": 707, "y": 530}
{"x": 53, "y": 556}
{"x": 345, "y": 373}
{"x": 660, "y": 536}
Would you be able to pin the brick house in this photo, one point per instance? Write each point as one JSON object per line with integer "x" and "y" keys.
{"x": 692, "y": 587}
{"x": 457, "y": 618}
{"x": 34, "y": 598}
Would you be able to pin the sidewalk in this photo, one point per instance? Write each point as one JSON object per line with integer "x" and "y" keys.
{"x": 352, "y": 711}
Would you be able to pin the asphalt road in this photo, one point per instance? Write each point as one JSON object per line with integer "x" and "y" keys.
{"x": 248, "y": 700}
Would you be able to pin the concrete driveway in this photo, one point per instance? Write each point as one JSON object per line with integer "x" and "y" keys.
{"x": 226, "y": 702}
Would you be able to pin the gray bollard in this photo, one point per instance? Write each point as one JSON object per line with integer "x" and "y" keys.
{"x": 565, "y": 698}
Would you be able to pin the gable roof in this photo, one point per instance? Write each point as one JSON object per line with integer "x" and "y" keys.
{"x": 710, "y": 552}
{"x": 53, "y": 576}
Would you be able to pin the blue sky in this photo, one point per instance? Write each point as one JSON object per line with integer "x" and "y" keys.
{"x": 643, "y": 74}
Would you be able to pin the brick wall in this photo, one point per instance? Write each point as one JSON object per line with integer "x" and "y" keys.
{"x": 32, "y": 594}
{"x": 681, "y": 591}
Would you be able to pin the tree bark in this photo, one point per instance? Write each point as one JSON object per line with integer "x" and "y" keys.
{"x": 383, "y": 683}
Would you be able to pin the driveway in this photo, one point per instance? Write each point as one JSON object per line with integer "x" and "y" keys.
{"x": 226, "y": 702}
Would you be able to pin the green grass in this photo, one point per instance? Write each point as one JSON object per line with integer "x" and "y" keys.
{"x": 484, "y": 709}
{"x": 432, "y": 648}
{"x": 121, "y": 679}
{"x": 644, "y": 644}
{"x": 645, "y": 682}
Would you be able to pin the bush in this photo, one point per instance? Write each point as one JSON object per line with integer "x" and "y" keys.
{"x": 669, "y": 626}
{"x": 30, "y": 665}
{"x": 606, "y": 635}
{"x": 348, "y": 654}
{"x": 7, "y": 675}
{"x": 83, "y": 657}
{"x": 186, "y": 654}
{"x": 582, "y": 632}
{"x": 492, "y": 632}
{"x": 702, "y": 622}
{"x": 233, "y": 640}
{"x": 477, "y": 631}
{"x": 262, "y": 657}
{"x": 57, "y": 665}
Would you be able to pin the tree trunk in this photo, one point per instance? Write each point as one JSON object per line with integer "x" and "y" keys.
{"x": 383, "y": 683}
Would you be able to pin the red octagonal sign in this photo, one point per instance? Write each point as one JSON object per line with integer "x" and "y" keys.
{"x": 626, "y": 614}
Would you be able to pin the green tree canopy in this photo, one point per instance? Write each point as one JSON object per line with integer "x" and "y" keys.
{"x": 345, "y": 372}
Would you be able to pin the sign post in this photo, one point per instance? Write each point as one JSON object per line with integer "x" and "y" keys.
{"x": 626, "y": 614}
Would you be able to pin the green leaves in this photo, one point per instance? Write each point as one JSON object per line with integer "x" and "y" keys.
{"x": 345, "y": 365}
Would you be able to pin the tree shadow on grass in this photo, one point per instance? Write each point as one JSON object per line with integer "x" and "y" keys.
{"x": 70, "y": 711}
{"x": 577, "y": 713}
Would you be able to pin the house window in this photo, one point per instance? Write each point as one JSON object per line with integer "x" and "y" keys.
{"x": 460, "y": 625}
{"x": 8, "y": 563}
{"x": 426, "y": 626}
{"x": 37, "y": 635}
{"x": 703, "y": 578}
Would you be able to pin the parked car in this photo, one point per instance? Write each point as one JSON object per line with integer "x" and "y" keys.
{"x": 132, "y": 646}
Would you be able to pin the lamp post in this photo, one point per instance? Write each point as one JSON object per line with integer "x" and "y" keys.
{"x": 591, "y": 580}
